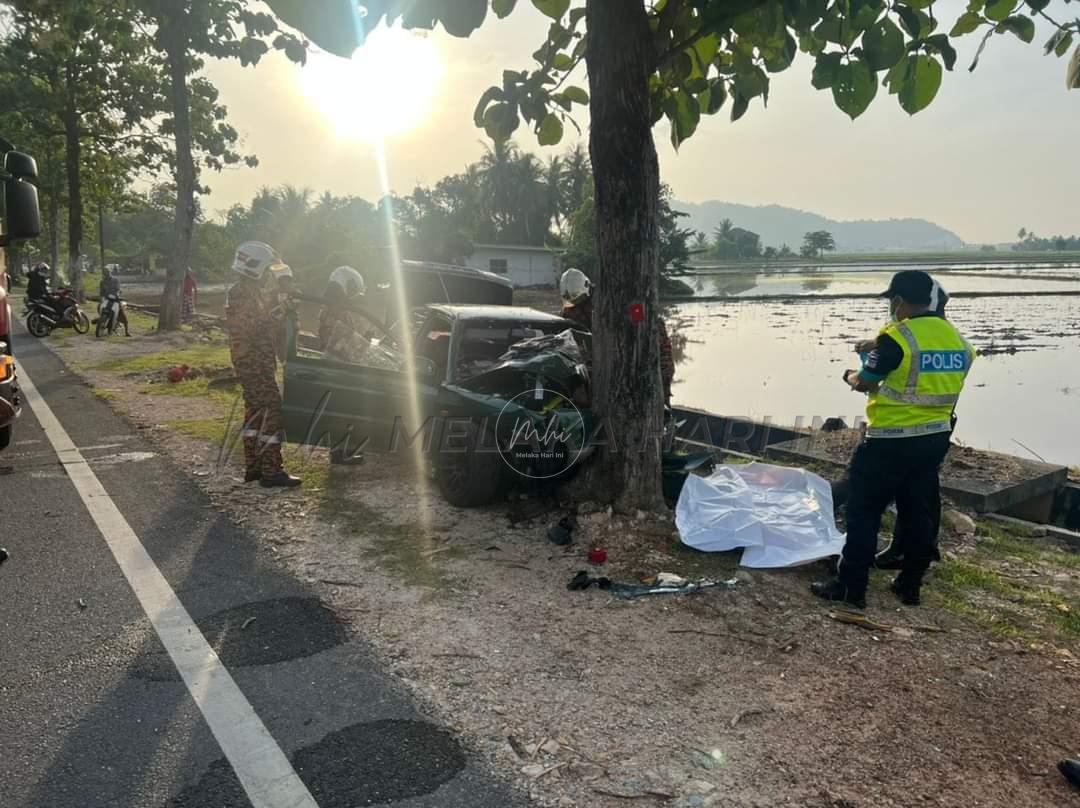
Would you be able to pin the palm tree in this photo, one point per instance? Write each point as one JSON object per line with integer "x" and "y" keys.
{"x": 576, "y": 179}
{"x": 553, "y": 175}
{"x": 723, "y": 231}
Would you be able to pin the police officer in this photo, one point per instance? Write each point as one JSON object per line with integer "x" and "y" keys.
{"x": 576, "y": 291}
{"x": 914, "y": 377}
{"x": 254, "y": 345}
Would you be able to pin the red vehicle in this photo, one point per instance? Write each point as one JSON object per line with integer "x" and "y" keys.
{"x": 21, "y": 220}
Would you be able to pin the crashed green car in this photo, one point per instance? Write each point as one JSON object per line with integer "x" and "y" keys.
{"x": 490, "y": 393}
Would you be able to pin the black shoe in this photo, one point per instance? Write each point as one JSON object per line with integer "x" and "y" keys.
{"x": 889, "y": 559}
{"x": 905, "y": 590}
{"x": 251, "y": 475}
{"x": 281, "y": 480}
{"x": 562, "y": 533}
{"x": 837, "y": 590}
{"x": 1070, "y": 770}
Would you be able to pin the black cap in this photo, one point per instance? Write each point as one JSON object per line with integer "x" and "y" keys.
{"x": 913, "y": 285}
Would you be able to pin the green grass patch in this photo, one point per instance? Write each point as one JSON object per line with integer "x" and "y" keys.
{"x": 208, "y": 429}
{"x": 964, "y": 575}
{"x": 141, "y": 321}
{"x": 211, "y": 356}
{"x": 998, "y": 542}
{"x": 227, "y": 398}
{"x": 106, "y": 395}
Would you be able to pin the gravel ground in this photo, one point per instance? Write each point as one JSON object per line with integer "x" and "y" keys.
{"x": 744, "y": 698}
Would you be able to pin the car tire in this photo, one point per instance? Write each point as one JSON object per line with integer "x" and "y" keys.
{"x": 471, "y": 478}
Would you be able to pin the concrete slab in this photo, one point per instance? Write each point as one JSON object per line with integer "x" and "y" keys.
{"x": 1038, "y": 479}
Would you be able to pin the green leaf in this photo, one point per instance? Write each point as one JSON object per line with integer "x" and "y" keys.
{"x": 739, "y": 104}
{"x": 563, "y": 61}
{"x": 940, "y": 44}
{"x": 500, "y": 121}
{"x": 686, "y": 116}
{"x": 782, "y": 58}
{"x": 490, "y": 94}
{"x": 704, "y": 51}
{"x": 462, "y": 17}
{"x": 916, "y": 23}
{"x": 1072, "y": 74}
{"x": 967, "y": 23}
{"x": 998, "y": 10}
{"x": 825, "y": 70}
{"x": 502, "y": 8}
{"x": 922, "y": 84}
{"x": 1037, "y": 5}
{"x": 553, "y": 8}
{"x": 1063, "y": 46}
{"x": 713, "y": 99}
{"x": 1023, "y": 27}
{"x": 808, "y": 43}
{"x": 752, "y": 83}
{"x": 550, "y": 131}
{"x": 896, "y": 77}
{"x": 854, "y": 88}
{"x": 577, "y": 95}
{"x": 883, "y": 45}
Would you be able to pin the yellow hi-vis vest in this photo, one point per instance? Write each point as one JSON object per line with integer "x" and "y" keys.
{"x": 918, "y": 397}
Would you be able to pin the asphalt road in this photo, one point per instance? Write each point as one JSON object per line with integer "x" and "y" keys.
{"x": 93, "y": 710}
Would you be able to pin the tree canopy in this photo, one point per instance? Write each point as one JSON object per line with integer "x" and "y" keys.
{"x": 708, "y": 55}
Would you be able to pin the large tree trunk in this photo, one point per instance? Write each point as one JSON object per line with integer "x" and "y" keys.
{"x": 627, "y": 391}
{"x": 52, "y": 219}
{"x": 73, "y": 160}
{"x": 175, "y": 36}
{"x": 101, "y": 232}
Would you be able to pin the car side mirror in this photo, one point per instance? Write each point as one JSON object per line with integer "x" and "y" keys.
{"x": 22, "y": 217}
{"x": 21, "y": 166}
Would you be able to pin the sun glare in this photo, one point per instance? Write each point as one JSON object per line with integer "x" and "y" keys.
{"x": 386, "y": 89}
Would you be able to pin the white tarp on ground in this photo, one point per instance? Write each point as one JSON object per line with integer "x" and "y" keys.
{"x": 782, "y": 516}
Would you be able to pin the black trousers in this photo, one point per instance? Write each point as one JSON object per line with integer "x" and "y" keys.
{"x": 884, "y": 469}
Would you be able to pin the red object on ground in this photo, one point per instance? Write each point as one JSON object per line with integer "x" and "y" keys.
{"x": 177, "y": 374}
{"x": 598, "y": 555}
{"x": 637, "y": 312}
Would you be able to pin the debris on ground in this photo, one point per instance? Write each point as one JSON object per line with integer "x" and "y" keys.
{"x": 582, "y": 581}
{"x": 597, "y": 556}
{"x": 562, "y": 533}
{"x": 1070, "y": 770}
{"x": 681, "y": 587}
{"x": 959, "y": 523}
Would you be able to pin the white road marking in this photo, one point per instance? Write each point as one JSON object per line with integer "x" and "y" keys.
{"x": 262, "y": 767}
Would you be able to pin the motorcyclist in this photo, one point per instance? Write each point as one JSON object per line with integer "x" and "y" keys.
{"x": 110, "y": 286}
{"x": 37, "y": 286}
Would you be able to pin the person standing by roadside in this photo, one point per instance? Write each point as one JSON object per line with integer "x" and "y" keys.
{"x": 253, "y": 345}
{"x": 191, "y": 288}
{"x": 914, "y": 377}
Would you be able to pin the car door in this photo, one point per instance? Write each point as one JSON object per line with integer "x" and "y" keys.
{"x": 356, "y": 405}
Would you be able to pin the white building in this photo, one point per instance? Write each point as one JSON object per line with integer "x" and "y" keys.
{"x": 524, "y": 266}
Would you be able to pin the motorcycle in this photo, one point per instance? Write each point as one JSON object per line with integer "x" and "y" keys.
{"x": 109, "y": 316}
{"x": 59, "y": 310}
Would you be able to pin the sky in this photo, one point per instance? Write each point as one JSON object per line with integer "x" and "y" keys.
{"x": 999, "y": 148}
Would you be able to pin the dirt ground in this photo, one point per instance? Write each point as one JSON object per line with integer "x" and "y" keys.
{"x": 748, "y": 697}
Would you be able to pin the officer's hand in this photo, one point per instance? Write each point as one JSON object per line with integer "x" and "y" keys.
{"x": 851, "y": 378}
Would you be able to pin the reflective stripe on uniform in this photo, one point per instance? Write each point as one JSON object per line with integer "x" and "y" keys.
{"x": 269, "y": 439}
{"x": 908, "y": 431}
{"x": 913, "y": 346}
{"x": 250, "y": 433}
{"x": 915, "y": 398}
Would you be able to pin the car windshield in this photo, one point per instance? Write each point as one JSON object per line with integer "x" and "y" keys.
{"x": 483, "y": 342}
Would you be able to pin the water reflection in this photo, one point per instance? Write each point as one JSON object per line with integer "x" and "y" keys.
{"x": 785, "y": 359}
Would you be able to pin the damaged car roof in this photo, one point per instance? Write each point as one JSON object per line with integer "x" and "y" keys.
{"x": 509, "y": 313}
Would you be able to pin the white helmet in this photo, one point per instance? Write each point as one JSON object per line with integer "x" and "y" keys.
{"x": 574, "y": 286}
{"x": 253, "y": 258}
{"x": 349, "y": 280}
{"x": 41, "y": 268}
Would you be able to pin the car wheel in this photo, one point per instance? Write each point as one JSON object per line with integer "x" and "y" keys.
{"x": 474, "y": 477}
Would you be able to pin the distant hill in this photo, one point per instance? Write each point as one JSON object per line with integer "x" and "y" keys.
{"x": 779, "y": 225}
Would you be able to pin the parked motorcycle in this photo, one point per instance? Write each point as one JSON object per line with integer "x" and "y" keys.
{"x": 59, "y": 310}
{"x": 108, "y": 318}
